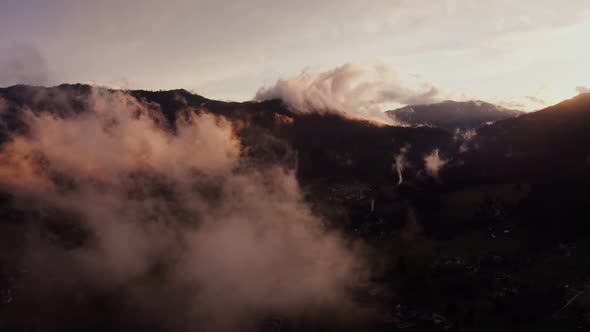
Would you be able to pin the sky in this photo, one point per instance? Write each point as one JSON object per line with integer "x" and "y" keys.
{"x": 524, "y": 54}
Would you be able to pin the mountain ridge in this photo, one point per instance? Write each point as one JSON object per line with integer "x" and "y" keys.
{"x": 452, "y": 115}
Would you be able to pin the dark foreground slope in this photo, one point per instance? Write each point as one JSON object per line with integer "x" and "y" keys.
{"x": 544, "y": 146}
{"x": 498, "y": 240}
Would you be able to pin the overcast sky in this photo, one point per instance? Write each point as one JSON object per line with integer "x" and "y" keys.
{"x": 524, "y": 53}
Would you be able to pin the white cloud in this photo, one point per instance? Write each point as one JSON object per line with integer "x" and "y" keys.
{"x": 400, "y": 163}
{"x": 358, "y": 89}
{"x": 236, "y": 242}
{"x": 433, "y": 163}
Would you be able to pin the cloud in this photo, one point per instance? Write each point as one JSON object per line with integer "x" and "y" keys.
{"x": 511, "y": 104}
{"x": 22, "y": 63}
{"x": 121, "y": 84}
{"x": 582, "y": 89}
{"x": 401, "y": 162}
{"x": 536, "y": 100}
{"x": 357, "y": 89}
{"x": 541, "y": 97}
{"x": 433, "y": 163}
{"x": 465, "y": 138}
{"x": 222, "y": 241}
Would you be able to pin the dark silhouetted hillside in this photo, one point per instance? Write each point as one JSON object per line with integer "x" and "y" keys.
{"x": 549, "y": 145}
{"x": 498, "y": 241}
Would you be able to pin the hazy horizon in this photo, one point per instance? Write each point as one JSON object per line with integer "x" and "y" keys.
{"x": 524, "y": 55}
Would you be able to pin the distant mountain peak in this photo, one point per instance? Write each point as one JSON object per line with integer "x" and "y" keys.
{"x": 452, "y": 115}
